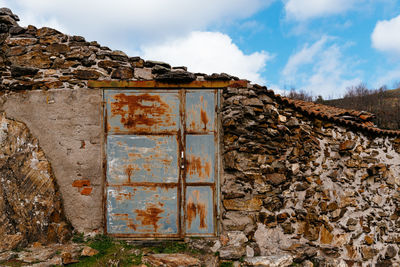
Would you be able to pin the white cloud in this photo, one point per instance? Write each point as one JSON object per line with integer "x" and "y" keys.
{"x": 389, "y": 78}
{"x": 132, "y": 22}
{"x": 386, "y": 36}
{"x": 308, "y": 9}
{"x": 209, "y": 52}
{"x": 306, "y": 55}
{"x": 321, "y": 69}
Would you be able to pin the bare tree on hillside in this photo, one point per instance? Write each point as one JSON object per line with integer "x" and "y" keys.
{"x": 300, "y": 95}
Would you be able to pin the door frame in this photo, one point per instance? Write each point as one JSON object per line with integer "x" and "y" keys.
{"x": 157, "y": 86}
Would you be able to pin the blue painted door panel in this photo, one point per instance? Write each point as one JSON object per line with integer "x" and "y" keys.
{"x": 142, "y": 158}
{"x": 142, "y": 210}
{"x": 199, "y": 210}
{"x": 133, "y": 111}
{"x": 200, "y": 111}
{"x": 200, "y": 158}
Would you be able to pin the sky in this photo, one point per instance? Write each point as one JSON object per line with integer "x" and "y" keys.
{"x": 319, "y": 46}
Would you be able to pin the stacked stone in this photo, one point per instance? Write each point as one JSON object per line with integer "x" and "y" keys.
{"x": 293, "y": 184}
{"x": 305, "y": 187}
{"x": 45, "y": 58}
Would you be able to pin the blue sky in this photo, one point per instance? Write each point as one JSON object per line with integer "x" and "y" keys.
{"x": 320, "y": 46}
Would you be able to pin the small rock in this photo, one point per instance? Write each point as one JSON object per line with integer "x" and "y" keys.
{"x": 232, "y": 252}
{"x": 176, "y": 77}
{"x": 253, "y": 102}
{"x": 270, "y": 261}
{"x": 368, "y": 240}
{"x": 249, "y": 252}
{"x": 217, "y": 245}
{"x": 237, "y": 238}
{"x": 8, "y": 255}
{"x": 239, "y": 204}
{"x": 307, "y": 263}
{"x": 67, "y": 258}
{"x": 89, "y": 252}
{"x": 171, "y": 260}
{"x": 275, "y": 178}
{"x": 17, "y": 71}
{"x": 390, "y": 252}
{"x": 282, "y": 118}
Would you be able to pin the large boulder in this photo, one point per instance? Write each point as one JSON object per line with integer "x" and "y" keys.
{"x": 30, "y": 203}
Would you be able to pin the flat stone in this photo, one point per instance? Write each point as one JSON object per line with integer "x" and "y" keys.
{"x": 87, "y": 74}
{"x": 236, "y": 238}
{"x": 236, "y": 221}
{"x": 176, "y": 77}
{"x": 32, "y": 59}
{"x": 368, "y": 253}
{"x": 37, "y": 254}
{"x": 21, "y": 41}
{"x": 275, "y": 178}
{"x": 253, "y": 204}
{"x": 282, "y": 260}
{"x": 8, "y": 255}
{"x": 326, "y": 236}
{"x": 58, "y": 48}
{"x": 152, "y": 63}
{"x": 171, "y": 260}
{"x": 122, "y": 73}
{"x": 17, "y": 71}
{"x": 7, "y": 11}
{"x": 8, "y": 20}
{"x": 368, "y": 240}
{"x": 89, "y": 252}
{"x": 232, "y": 252}
{"x": 253, "y": 102}
{"x": 67, "y": 258}
{"x": 118, "y": 55}
{"x": 391, "y": 252}
{"x": 347, "y": 145}
{"x": 106, "y": 64}
{"x": 143, "y": 73}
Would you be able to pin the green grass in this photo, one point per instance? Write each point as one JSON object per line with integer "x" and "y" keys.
{"x": 110, "y": 251}
{"x": 118, "y": 253}
{"x": 226, "y": 264}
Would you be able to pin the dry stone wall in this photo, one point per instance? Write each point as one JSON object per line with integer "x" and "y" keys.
{"x": 302, "y": 186}
{"x": 293, "y": 185}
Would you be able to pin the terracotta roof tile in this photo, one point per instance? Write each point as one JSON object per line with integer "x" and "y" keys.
{"x": 361, "y": 120}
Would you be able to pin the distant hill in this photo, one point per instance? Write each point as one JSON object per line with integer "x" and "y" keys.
{"x": 385, "y": 104}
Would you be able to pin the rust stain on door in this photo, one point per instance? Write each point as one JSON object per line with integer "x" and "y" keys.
{"x": 149, "y": 216}
{"x": 135, "y": 109}
{"x": 199, "y": 166}
{"x": 196, "y": 208}
{"x": 136, "y": 112}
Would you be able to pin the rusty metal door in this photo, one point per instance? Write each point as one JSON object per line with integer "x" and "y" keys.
{"x": 161, "y": 162}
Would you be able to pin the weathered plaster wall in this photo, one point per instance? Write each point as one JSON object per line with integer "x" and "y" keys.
{"x": 68, "y": 125}
{"x": 307, "y": 187}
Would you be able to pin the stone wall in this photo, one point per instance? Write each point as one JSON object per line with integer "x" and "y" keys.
{"x": 44, "y": 83}
{"x": 304, "y": 186}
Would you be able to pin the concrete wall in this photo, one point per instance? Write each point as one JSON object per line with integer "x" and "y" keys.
{"x": 68, "y": 125}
